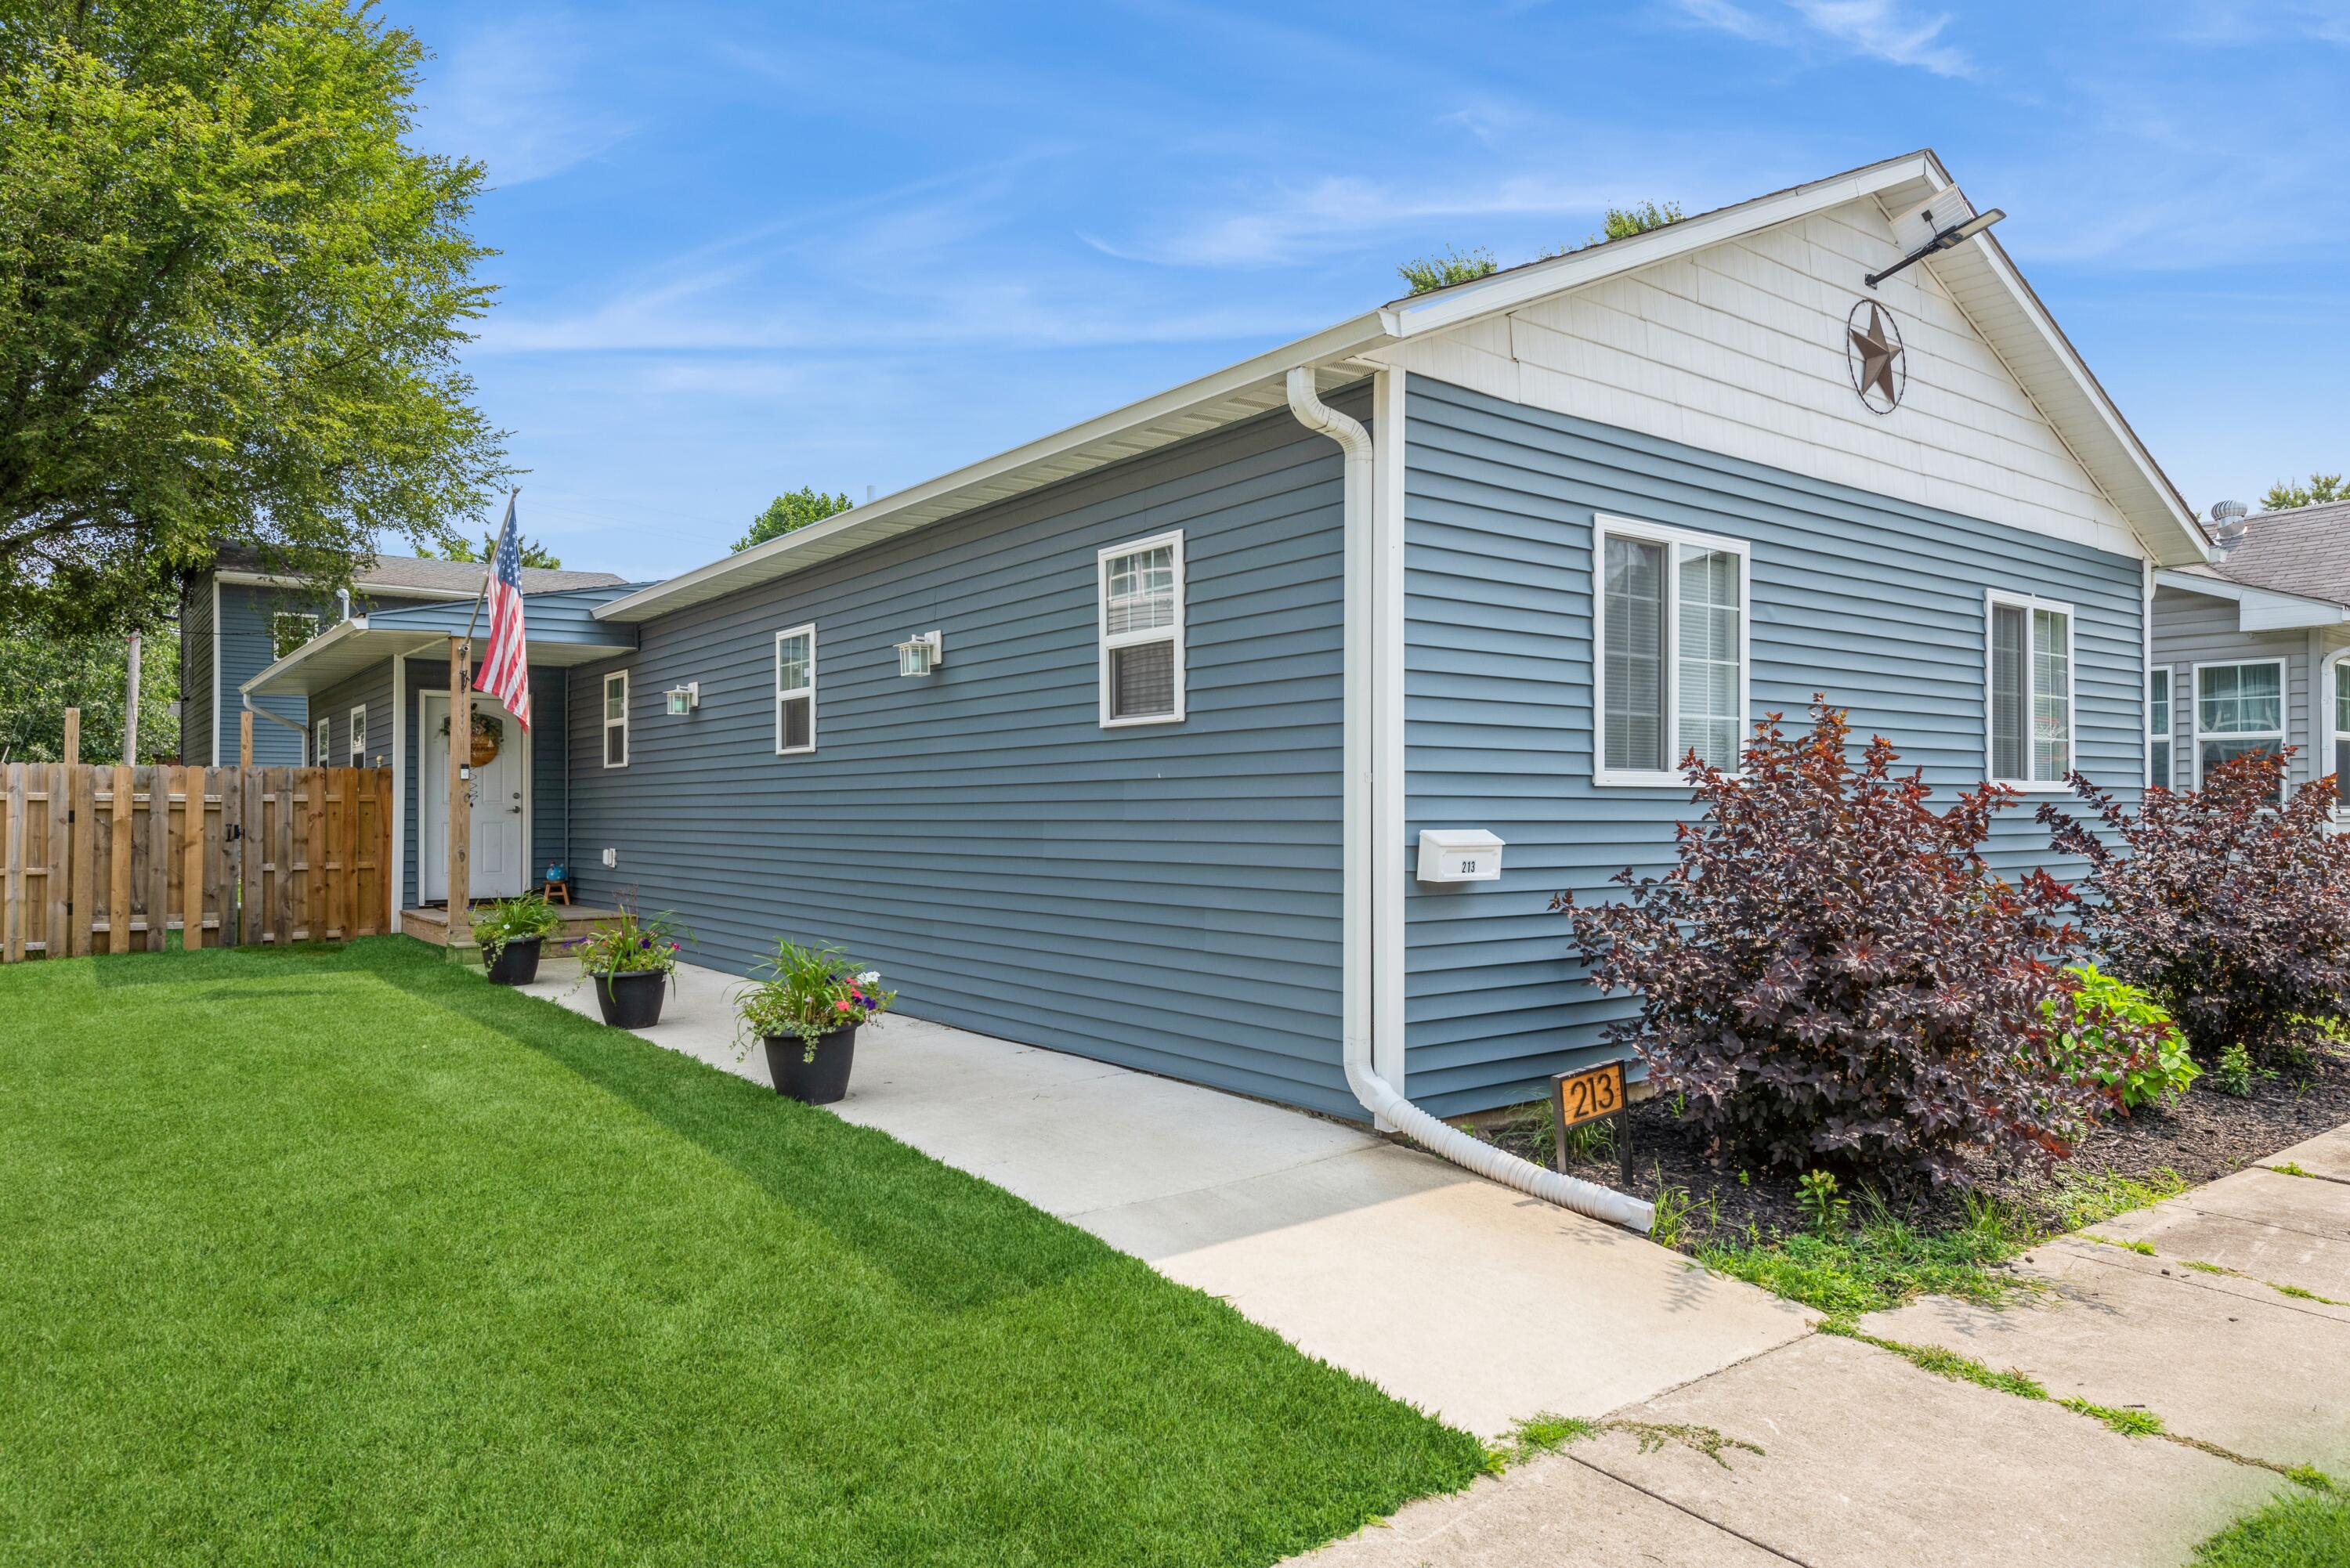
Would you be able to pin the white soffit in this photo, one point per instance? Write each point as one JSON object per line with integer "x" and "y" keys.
{"x": 1977, "y": 274}
{"x": 2258, "y": 609}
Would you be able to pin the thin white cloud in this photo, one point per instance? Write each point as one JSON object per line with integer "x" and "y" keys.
{"x": 514, "y": 96}
{"x": 1877, "y": 29}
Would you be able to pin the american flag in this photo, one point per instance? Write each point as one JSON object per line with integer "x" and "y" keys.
{"x": 505, "y": 673}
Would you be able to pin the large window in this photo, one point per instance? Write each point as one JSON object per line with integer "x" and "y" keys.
{"x": 2157, "y": 728}
{"x": 1141, "y": 603}
{"x": 2030, "y": 669}
{"x": 358, "y": 736}
{"x": 616, "y": 719}
{"x": 796, "y": 691}
{"x": 1669, "y": 650}
{"x": 2239, "y": 709}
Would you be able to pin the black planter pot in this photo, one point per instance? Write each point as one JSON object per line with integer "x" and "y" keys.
{"x": 631, "y": 1000}
{"x": 517, "y": 961}
{"x": 820, "y": 1082}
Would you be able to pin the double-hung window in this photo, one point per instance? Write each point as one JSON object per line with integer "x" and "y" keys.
{"x": 1670, "y": 654}
{"x": 2238, "y": 709}
{"x": 322, "y": 745}
{"x": 796, "y": 691}
{"x": 1140, "y": 598}
{"x": 2029, "y": 665}
{"x": 290, "y": 630}
{"x": 2341, "y": 758}
{"x": 358, "y": 736}
{"x": 616, "y": 719}
{"x": 2157, "y": 728}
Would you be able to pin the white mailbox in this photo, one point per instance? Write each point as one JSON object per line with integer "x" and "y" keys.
{"x": 1458, "y": 855}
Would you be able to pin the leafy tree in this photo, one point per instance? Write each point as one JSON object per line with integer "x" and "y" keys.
{"x": 1424, "y": 274}
{"x": 788, "y": 512}
{"x": 231, "y": 300}
{"x": 41, "y": 677}
{"x": 534, "y": 553}
{"x": 2283, "y": 496}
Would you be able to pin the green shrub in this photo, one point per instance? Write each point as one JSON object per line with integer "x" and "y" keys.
{"x": 2114, "y": 1035}
{"x": 2233, "y": 1073}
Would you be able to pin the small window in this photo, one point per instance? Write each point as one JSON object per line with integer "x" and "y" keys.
{"x": 796, "y": 691}
{"x": 322, "y": 745}
{"x": 2030, "y": 667}
{"x": 2238, "y": 709}
{"x": 288, "y": 631}
{"x": 2157, "y": 728}
{"x": 616, "y": 719}
{"x": 1670, "y": 652}
{"x": 358, "y": 736}
{"x": 1141, "y": 604}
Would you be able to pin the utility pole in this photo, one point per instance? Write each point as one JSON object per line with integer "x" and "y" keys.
{"x": 130, "y": 707}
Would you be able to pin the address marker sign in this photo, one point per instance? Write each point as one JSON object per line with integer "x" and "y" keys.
{"x": 1590, "y": 1096}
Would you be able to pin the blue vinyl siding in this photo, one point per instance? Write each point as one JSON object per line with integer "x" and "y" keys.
{"x": 1165, "y": 897}
{"x": 1878, "y": 603}
{"x": 242, "y": 646}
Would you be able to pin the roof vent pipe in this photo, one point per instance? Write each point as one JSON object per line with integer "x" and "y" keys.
{"x": 343, "y": 604}
{"x": 1376, "y": 1094}
{"x": 2230, "y": 523}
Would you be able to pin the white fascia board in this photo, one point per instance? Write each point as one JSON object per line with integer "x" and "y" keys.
{"x": 765, "y": 562}
{"x": 2258, "y": 609}
{"x": 359, "y": 584}
{"x": 339, "y": 633}
{"x": 1521, "y": 285}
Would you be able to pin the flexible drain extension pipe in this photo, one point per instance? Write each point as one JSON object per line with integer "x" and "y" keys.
{"x": 1378, "y": 1096}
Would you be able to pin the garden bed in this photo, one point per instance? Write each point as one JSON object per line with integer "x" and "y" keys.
{"x": 2206, "y": 1135}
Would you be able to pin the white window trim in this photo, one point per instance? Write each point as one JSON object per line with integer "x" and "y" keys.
{"x": 2284, "y": 712}
{"x": 322, "y": 744}
{"x": 2169, "y": 733}
{"x": 604, "y": 710}
{"x": 358, "y": 735}
{"x": 1605, "y": 527}
{"x": 1109, "y": 552}
{"x": 2028, "y": 603}
{"x": 307, "y": 637}
{"x": 807, "y": 631}
{"x": 2334, "y": 754}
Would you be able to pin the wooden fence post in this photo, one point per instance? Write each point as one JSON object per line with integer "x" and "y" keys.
{"x": 73, "y": 737}
{"x": 461, "y": 800}
{"x": 192, "y": 859}
{"x": 244, "y": 739}
{"x": 118, "y": 906}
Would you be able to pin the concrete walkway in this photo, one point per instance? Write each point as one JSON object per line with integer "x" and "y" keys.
{"x": 1867, "y": 1460}
{"x": 1456, "y": 1294}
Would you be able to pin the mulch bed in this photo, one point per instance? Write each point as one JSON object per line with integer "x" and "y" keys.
{"x": 2206, "y": 1135}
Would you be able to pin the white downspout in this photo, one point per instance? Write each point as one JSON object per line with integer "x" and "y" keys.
{"x": 1368, "y": 629}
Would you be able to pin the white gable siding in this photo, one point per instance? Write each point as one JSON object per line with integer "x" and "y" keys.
{"x": 1739, "y": 348}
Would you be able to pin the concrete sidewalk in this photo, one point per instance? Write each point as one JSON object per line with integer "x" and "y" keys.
{"x": 1459, "y": 1295}
{"x": 1865, "y": 1460}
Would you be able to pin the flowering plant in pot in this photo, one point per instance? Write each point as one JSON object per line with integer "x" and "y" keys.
{"x": 807, "y": 1014}
{"x": 631, "y": 959}
{"x": 510, "y": 934}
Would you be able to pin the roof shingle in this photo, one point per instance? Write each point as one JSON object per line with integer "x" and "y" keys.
{"x": 2305, "y": 551}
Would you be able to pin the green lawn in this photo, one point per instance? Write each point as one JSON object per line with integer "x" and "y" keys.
{"x": 347, "y": 1255}
{"x": 2301, "y": 1529}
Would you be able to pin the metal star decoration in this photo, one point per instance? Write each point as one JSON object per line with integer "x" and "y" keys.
{"x": 1874, "y": 351}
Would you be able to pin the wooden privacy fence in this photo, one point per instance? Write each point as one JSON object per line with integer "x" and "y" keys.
{"x": 108, "y": 858}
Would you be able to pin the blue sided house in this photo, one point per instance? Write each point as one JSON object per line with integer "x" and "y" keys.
{"x": 1244, "y": 733}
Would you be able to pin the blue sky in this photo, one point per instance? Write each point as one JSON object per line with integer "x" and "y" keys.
{"x": 748, "y": 248}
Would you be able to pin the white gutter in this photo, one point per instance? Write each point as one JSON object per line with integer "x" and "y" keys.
{"x": 1366, "y": 639}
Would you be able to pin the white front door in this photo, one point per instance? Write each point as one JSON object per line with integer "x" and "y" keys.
{"x": 500, "y": 805}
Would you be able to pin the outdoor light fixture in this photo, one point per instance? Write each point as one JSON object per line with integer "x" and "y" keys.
{"x": 685, "y": 699}
{"x": 1948, "y": 221}
{"x": 920, "y": 654}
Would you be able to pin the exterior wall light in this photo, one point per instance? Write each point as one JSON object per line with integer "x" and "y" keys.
{"x": 685, "y": 699}
{"x": 920, "y": 654}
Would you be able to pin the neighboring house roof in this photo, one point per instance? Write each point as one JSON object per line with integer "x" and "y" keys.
{"x": 2304, "y": 551}
{"x": 1977, "y": 274}
{"x": 407, "y": 575}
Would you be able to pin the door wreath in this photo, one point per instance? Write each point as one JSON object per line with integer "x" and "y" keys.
{"x": 489, "y": 734}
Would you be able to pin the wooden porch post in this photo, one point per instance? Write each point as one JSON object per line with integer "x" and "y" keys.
{"x": 461, "y": 805}
{"x": 244, "y": 739}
